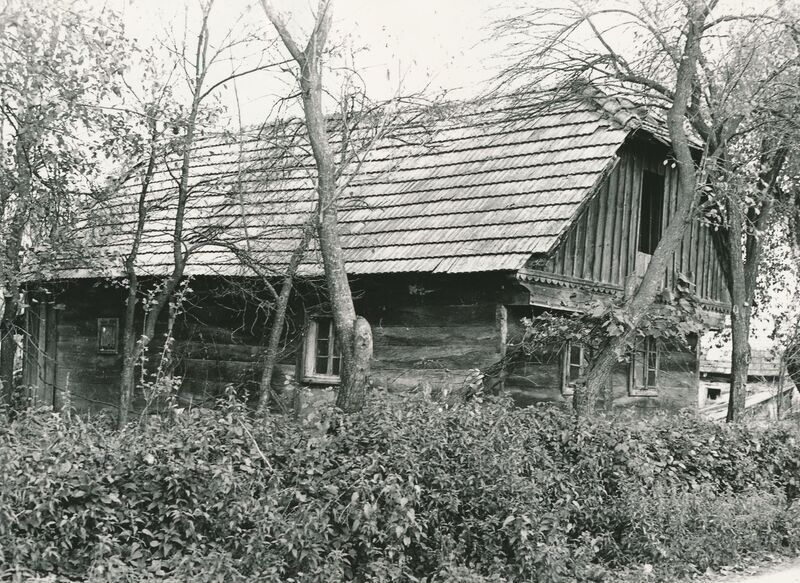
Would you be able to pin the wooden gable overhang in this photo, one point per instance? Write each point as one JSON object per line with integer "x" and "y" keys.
{"x": 572, "y": 295}
{"x": 598, "y": 252}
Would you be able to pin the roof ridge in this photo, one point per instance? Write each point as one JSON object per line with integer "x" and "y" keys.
{"x": 622, "y": 111}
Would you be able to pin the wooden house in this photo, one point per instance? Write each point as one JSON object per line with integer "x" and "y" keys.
{"x": 456, "y": 226}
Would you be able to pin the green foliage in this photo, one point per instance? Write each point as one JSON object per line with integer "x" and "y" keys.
{"x": 411, "y": 491}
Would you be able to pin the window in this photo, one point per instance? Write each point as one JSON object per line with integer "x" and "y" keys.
{"x": 574, "y": 367}
{"x": 322, "y": 358}
{"x": 107, "y": 335}
{"x": 644, "y": 368}
{"x": 650, "y": 211}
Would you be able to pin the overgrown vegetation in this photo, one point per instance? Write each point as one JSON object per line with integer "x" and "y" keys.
{"x": 399, "y": 492}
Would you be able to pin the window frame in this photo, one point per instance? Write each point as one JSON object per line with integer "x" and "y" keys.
{"x": 567, "y": 387}
{"x": 640, "y": 358}
{"x": 112, "y": 323}
{"x": 309, "y": 372}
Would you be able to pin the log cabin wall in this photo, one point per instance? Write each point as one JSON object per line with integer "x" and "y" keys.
{"x": 428, "y": 330}
{"x": 601, "y": 245}
{"x": 91, "y": 377}
{"x": 40, "y": 348}
{"x": 432, "y": 330}
{"x": 540, "y": 377}
{"x": 218, "y": 338}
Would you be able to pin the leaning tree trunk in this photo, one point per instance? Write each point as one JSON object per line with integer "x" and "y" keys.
{"x": 640, "y": 303}
{"x": 355, "y": 336}
{"x": 279, "y": 320}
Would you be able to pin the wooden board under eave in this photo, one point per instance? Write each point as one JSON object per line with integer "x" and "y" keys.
{"x": 601, "y": 244}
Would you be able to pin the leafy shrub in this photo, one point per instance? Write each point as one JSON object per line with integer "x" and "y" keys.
{"x": 479, "y": 492}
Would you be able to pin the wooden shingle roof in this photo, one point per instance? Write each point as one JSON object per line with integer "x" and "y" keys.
{"x": 478, "y": 188}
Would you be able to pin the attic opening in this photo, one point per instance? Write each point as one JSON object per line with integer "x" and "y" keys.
{"x": 650, "y": 211}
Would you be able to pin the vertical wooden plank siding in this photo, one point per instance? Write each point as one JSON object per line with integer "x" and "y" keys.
{"x": 633, "y": 189}
{"x": 609, "y": 194}
{"x": 620, "y": 225}
{"x": 677, "y": 266}
{"x": 700, "y": 263}
{"x": 670, "y": 203}
{"x": 569, "y": 253}
{"x": 688, "y": 252}
{"x": 50, "y": 346}
{"x": 596, "y": 226}
{"x": 580, "y": 248}
{"x": 601, "y": 245}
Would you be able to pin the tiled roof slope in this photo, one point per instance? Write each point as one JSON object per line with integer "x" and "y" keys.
{"x": 478, "y": 188}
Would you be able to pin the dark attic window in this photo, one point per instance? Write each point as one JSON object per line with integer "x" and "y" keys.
{"x": 650, "y": 211}
{"x": 107, "y": 335}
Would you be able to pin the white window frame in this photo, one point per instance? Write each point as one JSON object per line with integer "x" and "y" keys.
{"x": 640, "y": 359}
{"x": 309, "y": 372}
{"x": 568, "y": 388}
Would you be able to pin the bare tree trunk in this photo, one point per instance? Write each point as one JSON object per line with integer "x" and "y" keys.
{"x": 179, "y": 255}
{"x": 740, "y": 317}
{"x": 278, "y": 321}
{"x": 129, "y": 352}
{"x": 339, "y": 294}
{"x": 356, "y": 351}
{"x": 353, "y": 398}
{"x": 641, "y": 301}
{"x": 743, "y": 274}
{"x": 584, "y": 400}
{"x": 8, "y": 349}
{"x": 740, "y": 359}
{"x": 130, "y": 346}
{"x": 739, "y": 255}
{"x": 11, "y": 257}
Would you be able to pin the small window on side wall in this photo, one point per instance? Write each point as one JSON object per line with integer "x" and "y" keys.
{"x": 108, "y": 335}
{"x": 322, "y": 358}
{"x": 574, "y": 366}
{"x": 644, "y": 370}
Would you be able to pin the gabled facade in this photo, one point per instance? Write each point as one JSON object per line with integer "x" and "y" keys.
{"x": 456, "y": 226}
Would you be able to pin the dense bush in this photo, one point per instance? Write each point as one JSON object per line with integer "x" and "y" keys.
{"x": 411, "y": 491}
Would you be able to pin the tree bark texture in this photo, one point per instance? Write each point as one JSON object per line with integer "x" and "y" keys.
{"x": 339, "y": 294}
{"x": 8, "y": 349}
{"x": 11, "y": 258}
{"x": 740, "y": 256}
{"x": 356, "y": 350}
{"x": 638, "y": 306}
{"x": 353, "y": 399}
{"x": 584, "y": 401}
{"x": 129, "y": 352}
{"x": 278, "y": 322}
{"x": 740, "y": 317}
{"x": 179, "y": 255}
